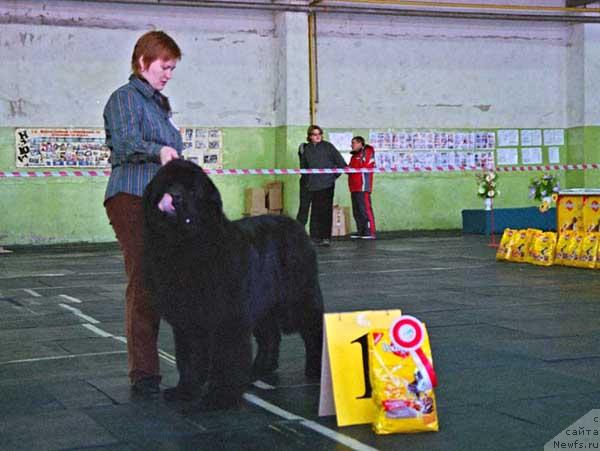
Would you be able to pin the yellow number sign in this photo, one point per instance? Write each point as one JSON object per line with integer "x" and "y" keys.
{"x": 345, "y": 387}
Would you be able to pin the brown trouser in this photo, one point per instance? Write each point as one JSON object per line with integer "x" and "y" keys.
{"x": 141, "y": 322}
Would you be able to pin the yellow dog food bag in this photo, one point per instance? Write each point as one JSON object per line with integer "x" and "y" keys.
{"x": 571, "y": 255}
{"x": 520, "y": 245}
{"x": 569, "y": 214}
{"x": 587, "y": 251}
{"x": 505, "y": 246}
{"x": 562, "y": 246}
{"x": 591, "y": 214}
{"x": 530, "y": 253}
{"x": 597, "y": 264}
{"x": 542, "y": 248}
{"x": 402, "y": 379}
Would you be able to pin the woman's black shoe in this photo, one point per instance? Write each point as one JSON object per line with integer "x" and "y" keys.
{"x": 146, "y": 386}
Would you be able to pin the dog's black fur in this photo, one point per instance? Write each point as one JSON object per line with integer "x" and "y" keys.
{"x": 217, "y": 281}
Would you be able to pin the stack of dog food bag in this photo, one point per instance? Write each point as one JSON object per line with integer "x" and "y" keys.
{"x": 527, "y": 246}
{"x": 576, "y": 244}
{"x": 570, "y": 248}
{"x": 402, "y": 378}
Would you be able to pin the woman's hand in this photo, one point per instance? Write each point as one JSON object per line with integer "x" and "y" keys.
{"x": 167, "y": 154}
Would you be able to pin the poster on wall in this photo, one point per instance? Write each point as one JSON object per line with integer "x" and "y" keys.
{"x": 443, "y": 149}
{"x": 508, "y": 155}
{"x": 61, "y": 147}
{"x": 341, "y": 140}
{"x": 203, "y": 146}
{"x": 554, "y": 137}
{"x": 553, "y": 155}
{"x": 531, "y": 155}
{"x": 531, "y": 137}
{"x": 86, "y": 147}
{"x": 508, "y": 138}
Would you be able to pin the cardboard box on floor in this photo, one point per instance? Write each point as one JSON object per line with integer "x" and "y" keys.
{"x": 274, "y": 192}
{"x": 262, "y": 201}
{"x": 341, "y": 221}
{"x": 255, "y": 202}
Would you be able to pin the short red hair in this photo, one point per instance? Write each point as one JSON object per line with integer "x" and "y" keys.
{"x": 151, "y": 46}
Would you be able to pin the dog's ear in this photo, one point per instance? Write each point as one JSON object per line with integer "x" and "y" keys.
{"x": 213, "y": 195}
{"x": 209, "y": 190}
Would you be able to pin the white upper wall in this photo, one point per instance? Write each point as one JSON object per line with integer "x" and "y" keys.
{"x": 407, "y": 72}
{"x": 62, "y": 59}
{"x": 62, "y": 74}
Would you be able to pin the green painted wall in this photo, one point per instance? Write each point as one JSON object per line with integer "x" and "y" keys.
{"x": 69, "y": 209}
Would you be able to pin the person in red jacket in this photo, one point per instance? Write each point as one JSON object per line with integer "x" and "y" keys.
{"x": 361, "y": 185}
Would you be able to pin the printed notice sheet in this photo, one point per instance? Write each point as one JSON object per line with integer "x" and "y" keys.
{"x": 531, "y": 155}
{"x": 508, "y": 138}
{"x": 508, "y": 156}
{"x": 554, "y": 137}
{"x": 341, "y": 140}
{"x": 531, "y": 137}
{"x": 553, "y": 155}
{"x": 61, "y": 147}
{"x": 203, "y": 146}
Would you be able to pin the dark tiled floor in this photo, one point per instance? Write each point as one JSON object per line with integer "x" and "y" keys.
{"x": 516, "y": 348}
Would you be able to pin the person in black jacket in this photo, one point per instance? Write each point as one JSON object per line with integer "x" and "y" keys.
{"x": 318, "y": 154}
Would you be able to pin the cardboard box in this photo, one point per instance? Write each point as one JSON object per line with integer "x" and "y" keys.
{"x": 341, "y": 221}
{"x": 274, "y": 192}
{"x": 255, "y": 202}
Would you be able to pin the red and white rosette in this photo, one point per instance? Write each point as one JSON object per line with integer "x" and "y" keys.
{"x": 407, "y": 334}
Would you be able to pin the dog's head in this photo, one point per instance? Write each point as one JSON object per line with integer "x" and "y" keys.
{"x": 182, "y": 201}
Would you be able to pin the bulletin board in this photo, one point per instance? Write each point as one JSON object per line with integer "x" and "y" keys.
{"x": 203, "y": 146}
{"x": 420, "y": 148}
{"x": 429, "y": 148}
{"x": 530, "y": 146}
{"x": 86, "y": 147}
{"x": 61, "y": 147}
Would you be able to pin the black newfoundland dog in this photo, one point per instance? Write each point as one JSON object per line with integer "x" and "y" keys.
{"x": 217, "y": 282}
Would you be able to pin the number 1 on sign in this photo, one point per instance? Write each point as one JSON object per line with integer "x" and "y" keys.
{"x": 364, "y": 344}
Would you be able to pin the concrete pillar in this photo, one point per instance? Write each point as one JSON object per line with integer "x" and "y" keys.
{"x": 292, "y": 91}
{"x": 292, "y": 109}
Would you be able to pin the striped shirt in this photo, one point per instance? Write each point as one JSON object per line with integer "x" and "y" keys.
{"x": 137, "y": 121}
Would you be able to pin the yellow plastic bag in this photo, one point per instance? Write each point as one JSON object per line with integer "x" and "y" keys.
{"x": 597, "y": 265}
{"x": 503, "y": 252}
{"x": 562, "y": 246}
{"x": 402, "y": 378}
{"x": 520, "y": 245}
{"x": 587, "y": 251}
{"x": 541, "y": 248}
{"x": 569, "y": 214}
{"x": 530, "y": 253}
{"x": 571, "y": 255}
{"x": 591, "y": 213}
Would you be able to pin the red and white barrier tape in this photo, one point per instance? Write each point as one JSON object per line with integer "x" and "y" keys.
{"x": 29, "y": 174}
{"x": 403, "y": 169}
